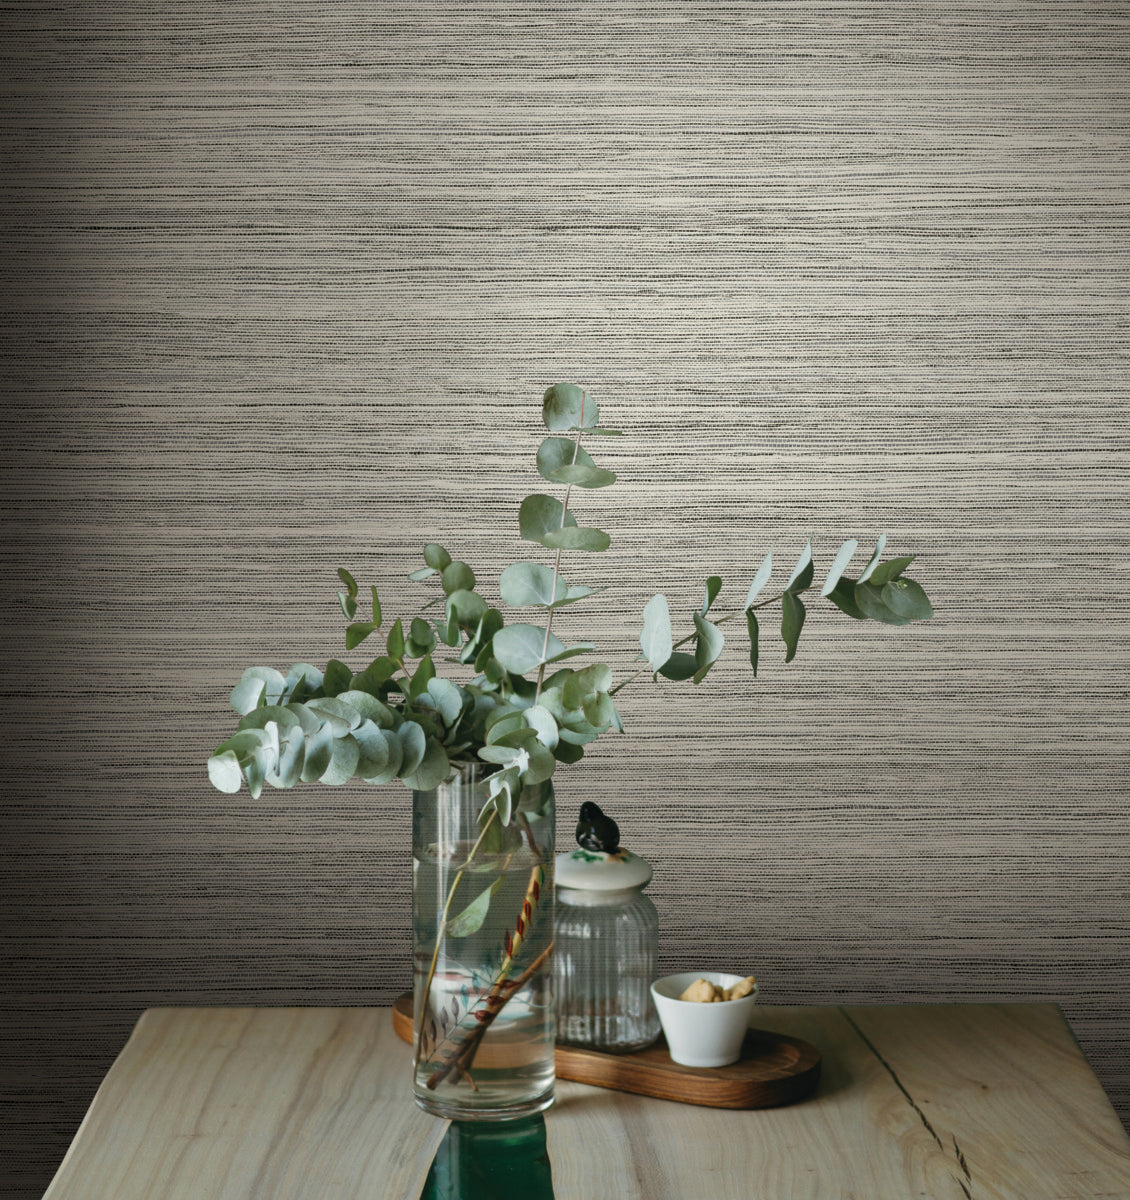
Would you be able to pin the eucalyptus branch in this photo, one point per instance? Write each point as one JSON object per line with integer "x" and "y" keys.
{"x": 557, "y": 556}
{"x": 443, "y": 925}
{"x": 738, "y": 612}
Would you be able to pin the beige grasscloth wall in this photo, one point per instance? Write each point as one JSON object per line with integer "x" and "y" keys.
{"x": 283, "y": 284}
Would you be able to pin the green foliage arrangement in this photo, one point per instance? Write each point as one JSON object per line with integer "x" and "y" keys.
{"x": 519, "y": 711}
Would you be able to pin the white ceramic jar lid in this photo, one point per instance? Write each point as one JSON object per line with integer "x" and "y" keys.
{"x": 599, "y": 871}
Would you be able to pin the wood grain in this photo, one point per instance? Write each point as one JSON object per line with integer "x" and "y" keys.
{"x": 280, "y": 285}
{"x": 994, "y": 1102}
{"x": 774, "y": 1069}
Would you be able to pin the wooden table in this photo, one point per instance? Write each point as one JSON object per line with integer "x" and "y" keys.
{"x": 954, "y": 1102}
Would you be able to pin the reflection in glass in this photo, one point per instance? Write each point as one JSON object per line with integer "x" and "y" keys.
{"x": 488, "y": 1161}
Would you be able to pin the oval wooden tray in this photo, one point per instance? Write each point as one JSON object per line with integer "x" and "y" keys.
{"x": 773, "y": 1070}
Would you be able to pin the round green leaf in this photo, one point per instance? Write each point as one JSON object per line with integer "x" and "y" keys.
{"x": 566, "y": 406}
{"x": 257, "y": 684}
{"x": 539, "y": 515}
{"x": 343, "y": 761}
{"x": 457, "y": 577}
{"x": 373, "y": 750}
{"x": 519, "y": 647}
{"x": 434, "y": 768}
{"x": 905, "y": 598}
{"x": 224, "y": 771}
{"x": 577, "y": 539}
{"x": 436, "y": 557}
{"x": 524, "y": 584}
{"x": 541, "y": 721}
{"x": 466, "y": 608}
{"x": 561, "y": 460}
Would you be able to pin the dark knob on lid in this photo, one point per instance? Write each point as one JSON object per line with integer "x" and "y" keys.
{"x": 595, "y": 831}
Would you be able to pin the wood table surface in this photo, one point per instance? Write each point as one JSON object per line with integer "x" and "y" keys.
{"x": 953, "y": 1102}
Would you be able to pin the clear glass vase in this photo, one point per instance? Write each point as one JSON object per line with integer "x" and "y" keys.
{"x": 482, "y": 922}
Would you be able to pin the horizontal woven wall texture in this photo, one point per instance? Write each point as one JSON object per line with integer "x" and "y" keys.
{"x": 282, "y": 286}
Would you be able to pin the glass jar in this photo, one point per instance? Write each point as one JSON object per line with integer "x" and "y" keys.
{"x": 605, "y": 953}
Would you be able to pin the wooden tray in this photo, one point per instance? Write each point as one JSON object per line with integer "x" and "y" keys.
{"x": 773, "y": 1070}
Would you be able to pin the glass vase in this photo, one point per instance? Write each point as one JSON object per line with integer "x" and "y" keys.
{"x": 482, "y": 927}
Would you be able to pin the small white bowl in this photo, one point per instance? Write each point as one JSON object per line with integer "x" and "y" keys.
{"x": 702, "y": 1035}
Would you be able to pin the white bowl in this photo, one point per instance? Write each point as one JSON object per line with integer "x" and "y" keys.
{"x": 702, "y": 1035}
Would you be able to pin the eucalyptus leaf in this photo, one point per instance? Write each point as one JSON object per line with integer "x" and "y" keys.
{"x": 421, "y": 639}
{"x": 348, "y": 605}
{"x": 465, "y": 608}
{"x": 375, "y": 676}
{"x": 581, "y": 685}
{"x": 422, "y": 573}
{"x": 539, "y": 515}
{"x": 751, "y": 622}
{"x": 577, "y": 539}
{"x": 292, "y": 752}
{"x": 224, "y": 771}
{"x": 871, "y": 602}
{"x": 436, "y": 557}
{"x": 713, "y": 587}
{"x": 369, "y": 707}
{"x": 905, "y": 598}
{"x": 887, "y": 571}
{"x": 524, "y": 584}
{"x": 317, "y": 755}
{"x": 542, "y": 722}
{"x": 448, "y": 699}
{"x": 708, "y": 646}
{"x": 843, "y": 597}
{"x": 425, "y": 673}
{"x": 839, "y": 565}
{"x": 801, "y": 577}
{"x": 584, "y": 476}
{"x": 302, "y": 680}
{"x": 561, "y": 460}
{"x": 343, "y": 761}
{"x": 337, "y": 678}
{"x": 679, "y": 666}
{"x": 568, "y": 752}
{"x": 357, "y": 633}
{"x": 566, "y": 406}
{"x": 576, "y": 592}
{"x": 880, "y": 545}
{"x": 395, "y": 640}
{"x": 519, "y": 648}
{"x": 414, "y": 744}
{"x": 458, "y": 577}
{"x": 760, "y": 579}
{"x": 372, "y": 751}
{"x": 348, "y": 580}
{"x": 471, "y": 919}
{"x": 570, "y": 651}
{"x": 600, "y": 711}
{"x": 792, "y": 622}
{"x": 434, "y": 768}
{"x": 655, "y": 638}
{"x": 342, "y": 717}
{"x": 258, "y": 685}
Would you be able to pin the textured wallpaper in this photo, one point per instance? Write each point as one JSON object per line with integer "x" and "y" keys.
{"x": 282, "y": 286}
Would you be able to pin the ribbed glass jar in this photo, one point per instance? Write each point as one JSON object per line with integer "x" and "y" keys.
{"x": 607, "y": 944}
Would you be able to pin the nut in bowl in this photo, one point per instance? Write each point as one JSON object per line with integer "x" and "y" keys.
{"x": 704, "y": 1032}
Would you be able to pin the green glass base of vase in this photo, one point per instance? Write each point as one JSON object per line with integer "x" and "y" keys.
{"x": 456, "y": 1110}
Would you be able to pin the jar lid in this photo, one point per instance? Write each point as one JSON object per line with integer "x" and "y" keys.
{"x": 599, "y": 871}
